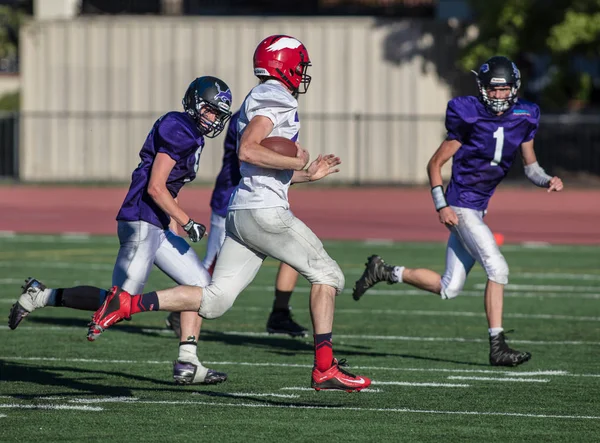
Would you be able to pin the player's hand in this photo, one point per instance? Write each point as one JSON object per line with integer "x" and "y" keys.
{"x": 448, "y": 216}
{"x": 195, "y": 230}
{"x": 323, "y": 166}
{"x": 555, "y": 185}
{"x": 303, "y": 157}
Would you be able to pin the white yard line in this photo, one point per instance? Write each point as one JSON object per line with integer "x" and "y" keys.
{"x": 403, "y": 292}
{"x": 347, "y": 336}
{"x": 54, "y": 407}
{"x": 361, "y": 410}
{"x": 253, "y": 394}
{"x": 507, "y": 379}
{"x": 498, "y": 372}
{"x": 294, "y": 406}
{"x": 543, "y": 288}
{"x": 422, "y": 384}
{"x": 298, "y": 388}
{"x": 556, "y": 276}
{"x": 428, "y": 313}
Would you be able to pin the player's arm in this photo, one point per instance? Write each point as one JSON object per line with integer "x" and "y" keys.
{"x": 157, "y": 189}
{"x": 173, "y": 225}
{"x": 434, "y": 170}
{"x": 251, "y": 151}
{"x": 534, "y": 172}
{"x": 318, "y": 169}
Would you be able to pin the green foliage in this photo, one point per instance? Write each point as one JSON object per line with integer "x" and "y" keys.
{"x": 10, "y": 21}
{"x": 10, "y": 101}
{"x": 561, "y": 29}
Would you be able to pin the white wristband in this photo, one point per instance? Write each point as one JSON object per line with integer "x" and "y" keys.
{"x": 439, "y": 200}
{"x": 536, "y": 175}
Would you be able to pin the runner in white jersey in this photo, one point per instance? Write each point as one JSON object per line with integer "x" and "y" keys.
{"x": 259, "y": 222}
{"x": 263, "y": 187}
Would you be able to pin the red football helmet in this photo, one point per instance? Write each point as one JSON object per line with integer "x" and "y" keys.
{"x": 284, "y": 58}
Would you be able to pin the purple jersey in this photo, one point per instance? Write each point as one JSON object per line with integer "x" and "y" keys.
{"x": 177, "y": 135}
{"x": 230, "y": 176}
{"x": 489, "y": 146}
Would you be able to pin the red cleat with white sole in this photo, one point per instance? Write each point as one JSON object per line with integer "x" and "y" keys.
{"x": 338, "y": 378}
{"x": 116, "y": 307}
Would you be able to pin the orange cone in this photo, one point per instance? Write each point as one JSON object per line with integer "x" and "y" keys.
{"x": 499, "y": 238}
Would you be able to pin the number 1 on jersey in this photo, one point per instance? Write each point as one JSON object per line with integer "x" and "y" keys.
{"x": 499, "y": 136}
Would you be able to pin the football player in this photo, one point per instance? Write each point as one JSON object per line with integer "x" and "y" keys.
{"x": 169, "y": 159}
{"x": 259, "y": 222}
{"x": 485, "y": 134}
{"x": 280, "y": 320}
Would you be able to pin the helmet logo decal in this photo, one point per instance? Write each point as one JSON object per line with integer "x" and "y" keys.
{"x": 516, "y": 71}
{"x": 224, "y": 96}
{"x": 284, "y": 43}
{"x": 484, "y": 68}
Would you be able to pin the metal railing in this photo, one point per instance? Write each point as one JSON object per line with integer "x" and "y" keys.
{"x": 377, "y": 148}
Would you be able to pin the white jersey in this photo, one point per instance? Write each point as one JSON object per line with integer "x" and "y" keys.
{"x": 265, "y": 187}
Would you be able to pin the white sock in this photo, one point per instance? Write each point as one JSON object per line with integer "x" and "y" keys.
{"x": 187, "y": 352}
{"x": 495, "y": 331}
{"x": 397, "y": 274}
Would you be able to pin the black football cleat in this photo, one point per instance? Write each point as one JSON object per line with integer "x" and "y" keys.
{"x": 502, "y": 355}
{"x": 173, "y": 322}
{"x": 376, "y": 271}
{"x": 281, "y": 322}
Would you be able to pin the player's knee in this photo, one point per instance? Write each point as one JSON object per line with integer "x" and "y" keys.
{"x": 450, "y": 292}
{"x": 340, "y": 280}
{"x": 215, "y": 302}
{"x": 332, "y": 276}
{"x": 451, "y": 285}
{"x": 498, "y": 271}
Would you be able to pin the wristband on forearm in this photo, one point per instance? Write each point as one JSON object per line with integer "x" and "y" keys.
{"x": 536, "y": 175}
{"x": 439, "y": 200}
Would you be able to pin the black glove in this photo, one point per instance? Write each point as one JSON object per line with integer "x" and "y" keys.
{"x": 195, "y": 230}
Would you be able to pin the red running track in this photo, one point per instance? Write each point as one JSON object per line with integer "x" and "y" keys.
{"x": 399, "y": 214}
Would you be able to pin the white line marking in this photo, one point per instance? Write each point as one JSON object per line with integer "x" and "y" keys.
{"x": 425, "y": 384}
{"x": 253, "y": 394}
{"x": 336, "y": 408}
{"x": 556, "y": 276}
{"x": 296, "y": 365}
{"x": 98, "y": 400}
{"x": 55, "y": 407}
{"x": 423, "y": 339}
{"x": 467, "y": 293}
{"x": 536, "y": 244}
{"x": 2, "y": 415}
{"x": 428, "y": 313}
{"x": 410, "y": 312}
{"x": 347, "y": 336}
{"x": 11, "y": 281}
{"x": 59, "y": 265}
{"x": 294, "y": 388}
{"x": 79, "y": 236}
{"x": 543, "y": 288}
{"x": 508, "y": 379}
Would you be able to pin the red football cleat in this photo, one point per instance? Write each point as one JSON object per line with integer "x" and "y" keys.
{"x": 116, "y": 307}
{"x": 338, "y": 378}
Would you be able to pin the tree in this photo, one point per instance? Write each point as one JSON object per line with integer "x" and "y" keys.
{"x": 563, "y": 32}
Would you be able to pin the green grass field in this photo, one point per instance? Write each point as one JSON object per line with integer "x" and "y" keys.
{"x": 427, "y": 357}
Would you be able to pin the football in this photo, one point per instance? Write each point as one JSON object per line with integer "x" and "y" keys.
{"x": 281, "y": 145}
